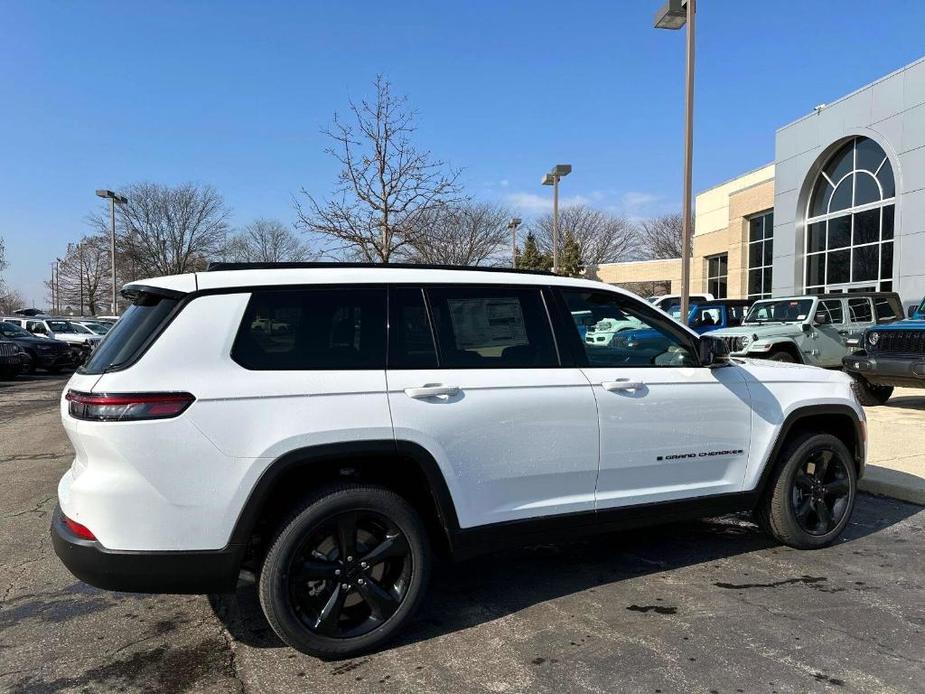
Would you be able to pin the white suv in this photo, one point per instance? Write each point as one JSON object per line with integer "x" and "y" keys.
{"x": 329, "y": 428}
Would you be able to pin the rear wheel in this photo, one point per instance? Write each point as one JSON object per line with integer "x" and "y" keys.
{"x": 811, "y": 493}
{"x": 870, "y": 394}
{"x": 782, "y": 355}
{"x": 346, "y": 571}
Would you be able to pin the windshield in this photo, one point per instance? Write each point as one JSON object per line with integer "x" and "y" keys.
{"x": 10, "y": 330}
{"x": 63, "y": 326}
{"x": 97, "y": 328}
{"x": 783, "y": 311}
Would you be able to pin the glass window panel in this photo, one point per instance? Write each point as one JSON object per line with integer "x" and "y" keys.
{"x": 412, "y": 345}
{"x": 869, "y": 154}
{"x": 886, "y": 286}
{"x": 833, "y": 308}
{"x": 840, "y": 232}
{"x": 865, "y": 263}
{"x": 859, "y": 311}
{"x": 767, "y": 281}
{"x": 867, "y": 226}
{"x": 815, "y": 269}
{"x": 755, "y": 254}
{"x": 841, "y": 198}
{"x": 754, "y": 281}
{"x": 816, "y": 240}
{"x": 724, "y": 264}
{"x": 821, "y": 194}
{"x": 886, "y": 261}
{"x": 865, "y": 189}
{"x": 841, "y": 162}
{"x": 888, "y": 212}
{"x": 769, "y": 251}
{"x": 839, "y": 267}
{"x": 769, "y": 225}
{"x": 756, "y": 229}
{"x": 886, "y": 180}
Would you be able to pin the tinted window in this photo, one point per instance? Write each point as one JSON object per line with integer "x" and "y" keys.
{"x": 411, "y": 338}
{"x": 620, "y": 334}
{"x": 312, "y": 329}
{"x": 885, "y": 310}
{"x": 859, "y": 311}
{"x": 130, "y": 333}
{"x": 833, "y": 309}
{"x": 11, "y": 330}
{"x": 492, "y": 328}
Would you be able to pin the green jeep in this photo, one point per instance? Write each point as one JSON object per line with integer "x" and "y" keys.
{"x": 816, "y": 329}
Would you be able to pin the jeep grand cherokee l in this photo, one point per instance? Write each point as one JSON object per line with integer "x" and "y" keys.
{"x": 328, "y": 429}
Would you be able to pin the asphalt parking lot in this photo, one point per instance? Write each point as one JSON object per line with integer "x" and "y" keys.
{"x": 706, "y": 607}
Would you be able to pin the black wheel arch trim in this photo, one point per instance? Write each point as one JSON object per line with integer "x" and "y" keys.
{"x": 804, "y": 413}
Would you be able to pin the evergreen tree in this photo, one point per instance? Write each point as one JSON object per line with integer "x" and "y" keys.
{"x": 530, "y": 257}
{"x": 570, "y": 260}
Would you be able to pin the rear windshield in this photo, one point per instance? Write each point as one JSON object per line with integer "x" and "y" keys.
{"x": 130, "y": 334}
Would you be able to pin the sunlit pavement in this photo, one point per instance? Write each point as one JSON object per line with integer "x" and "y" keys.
{"x": 896, "y": 455}
{"x": 710, "y": 606}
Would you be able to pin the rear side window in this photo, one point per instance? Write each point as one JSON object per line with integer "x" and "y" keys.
{"x": 492, "y": 328}
{"x": 131, "y": 333}
{"x": 832, "y": 308}
{"x": 885, "y": 311}
{"x": 859, "y": 311}
{"x": 313, "y": 330}
{"x": 411, "y": 338}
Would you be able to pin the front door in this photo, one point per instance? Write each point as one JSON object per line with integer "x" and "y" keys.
{"x": 514, "y": 433}
{"x": 670, "y": 428}
{"x": 829, "y": 339}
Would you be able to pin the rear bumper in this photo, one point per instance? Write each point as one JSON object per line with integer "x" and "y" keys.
{"x": 205, "y": 571}
{"x": 887, "y": 371}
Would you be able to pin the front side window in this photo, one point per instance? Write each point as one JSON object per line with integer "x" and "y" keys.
{"x": 760, "y": 255}
{"x": 313, "y": 330}
{"x": 647, "y": 340}
{"x": 781, "y": 311}
{"x": 11, "y": 330}
{"x": 411, "y": 340}
{"x": 492, "y": 328}
{"x": 717, "y": 273}
{"x": 850, "y": 221}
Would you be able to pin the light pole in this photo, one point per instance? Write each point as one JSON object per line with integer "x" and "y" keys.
{"x": 54, "y": 296}
{"x": 552, "y": 179}
{"x": 512, "y": 225}
{"x": 113, "y": 199}
{"x": 674, "y": 14}
{"x": 58, "y": 286}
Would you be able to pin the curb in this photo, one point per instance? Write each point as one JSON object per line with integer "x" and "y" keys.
{"x": 892, "y": 483}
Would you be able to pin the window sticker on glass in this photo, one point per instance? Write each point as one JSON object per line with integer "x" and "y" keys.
{"x": 801, "y": 316}
{"x": 480, "y": 324}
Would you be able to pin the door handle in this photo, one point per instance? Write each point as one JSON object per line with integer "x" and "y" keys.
{"x": 431, "y": 391}
{"x": 622, "y": 384}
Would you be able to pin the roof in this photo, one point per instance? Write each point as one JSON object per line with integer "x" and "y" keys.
{"x": 270, "y": 275}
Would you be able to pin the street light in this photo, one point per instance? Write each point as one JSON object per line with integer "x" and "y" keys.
{"x": 674, "y": 14}
{"x": 113, "y": 199}
{"x": 552, "y": 179}
{"x": 512, "y": 225}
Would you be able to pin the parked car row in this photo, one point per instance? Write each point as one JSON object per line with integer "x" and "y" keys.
{"x": 49, "y": 343}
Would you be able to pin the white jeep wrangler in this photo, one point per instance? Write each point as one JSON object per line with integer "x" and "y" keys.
{"x": 329, "y": 428}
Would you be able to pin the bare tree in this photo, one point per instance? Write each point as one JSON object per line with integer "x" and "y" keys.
{"x": 661, "y": 236}
{"x": 468, "y": 233}
{"x": 267, "y": 241}
{"x": 83, "y": 275}
{"x": 10, "y": 300}
{"x": 2, "y": 259}
{"x": 167, "y": 230}
{"x": 600, "y": 237}
{"x": 385, "y": 184}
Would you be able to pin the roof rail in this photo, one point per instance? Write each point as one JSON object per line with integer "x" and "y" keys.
{"x": 216, "y": 266}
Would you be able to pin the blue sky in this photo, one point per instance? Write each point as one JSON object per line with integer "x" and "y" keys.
{"x": 98, "y": 94}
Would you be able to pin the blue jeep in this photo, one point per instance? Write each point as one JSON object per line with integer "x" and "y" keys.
{"x": 703, "y": 317}
{"x": 889, "y": 355}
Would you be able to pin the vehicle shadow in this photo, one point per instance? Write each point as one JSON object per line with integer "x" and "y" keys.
{"x": 465, "y": 594}
{"x": 906, "y": 402}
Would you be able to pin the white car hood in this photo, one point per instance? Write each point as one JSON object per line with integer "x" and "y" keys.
{"x": 768, "y": 371}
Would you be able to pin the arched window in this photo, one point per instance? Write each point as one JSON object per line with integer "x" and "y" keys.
{"x": 849, "y": 221}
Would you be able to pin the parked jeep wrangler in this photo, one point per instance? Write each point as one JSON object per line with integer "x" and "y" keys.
{"x": 814, "y": 329}
{"x": 890, "y": 355}
{"x": 393, "y": 413}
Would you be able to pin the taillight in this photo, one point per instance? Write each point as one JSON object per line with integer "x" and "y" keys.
{"x": 126, "y": 407}
{"x": 81, "y": 531}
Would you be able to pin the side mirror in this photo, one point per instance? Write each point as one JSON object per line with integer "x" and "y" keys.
{"x": 821, "y": 318}
{"x": 712, "y": 351}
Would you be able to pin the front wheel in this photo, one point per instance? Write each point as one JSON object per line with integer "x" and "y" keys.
{"x": 811, "y": 493}
{"x": 346, "y": 572}
{"x": 870, "y": 394}
{"x": 782, "y": 355}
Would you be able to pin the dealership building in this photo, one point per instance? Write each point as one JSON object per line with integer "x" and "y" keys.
{"x": 841, "y": 208}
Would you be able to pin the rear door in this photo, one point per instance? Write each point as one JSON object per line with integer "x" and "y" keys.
{"x": 477, "y": 381}
{"x": 670, "y": 428}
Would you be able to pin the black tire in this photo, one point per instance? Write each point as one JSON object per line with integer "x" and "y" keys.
{"x": 869, "y": 394}
{"x": 319, "y": 616}
{"x": 7, "y": 374}
{"x": 782, "y": 355}
{"x": 795, "y": 486}
{"x": 53, "y": 369}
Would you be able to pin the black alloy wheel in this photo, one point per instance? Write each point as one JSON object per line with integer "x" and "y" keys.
{"x": 350, "y": 574}
{"x": 821, "y": 492}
